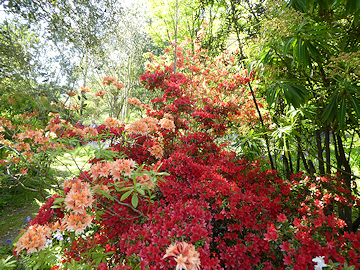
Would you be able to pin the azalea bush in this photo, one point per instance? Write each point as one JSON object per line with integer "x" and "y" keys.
{"x": 168, "y": 193}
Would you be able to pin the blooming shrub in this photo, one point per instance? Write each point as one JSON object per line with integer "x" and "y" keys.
{"x": 167, "y": 188}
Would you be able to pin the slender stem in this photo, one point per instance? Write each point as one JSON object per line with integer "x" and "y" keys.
{"x": 263, "y": 125}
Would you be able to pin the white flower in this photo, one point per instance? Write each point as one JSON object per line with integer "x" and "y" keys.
{"x": 48, "y": 242}
{"x": 320, "y": 263}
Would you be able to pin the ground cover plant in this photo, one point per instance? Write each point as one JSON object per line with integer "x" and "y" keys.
{"x": 167, "y": 194}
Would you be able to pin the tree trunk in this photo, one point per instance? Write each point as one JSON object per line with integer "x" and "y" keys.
{"x": 345, "y": 212}
{"x": 320, "y": 152}
{"x": 327, "y": 150}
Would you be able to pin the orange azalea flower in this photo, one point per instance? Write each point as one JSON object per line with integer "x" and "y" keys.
{"x": 23, "y": 171}
{"x": 116, "y": 168}
{"x": 79, "y": 131}
{"x": 134, "y": 101}
{"x": 145, "y": 179}
{"x": 100, "y": 94}
{"x": 185, "y": 255}
{"x": 26, "y": 146}
{"x": 71, "y": 93}
{"x": 94, "y": 170}
{"x": 152, "y": 123}
{"x": 78, "y": 199}
{"x": 169, "y": 116}
{"x": 28, "y": 154}
{"x": 58, "y": 226}
{"x": 72, "y": 183}
{"x": 167, "y": 124}
{"x": 156, "y": 151}
{"x": 104, "y": 170}
{"x": 102, "y": 187}
{"x": 91, "y": 131}
{"x": 112, "y": 122}
{"x": 181, "y": 262}
{"x": 85, "y": 89}
{"x": 127, "y": 171}
{"x": 138, "y": 127}
{"x": 129, "y": 162}
{"x": 22, "y": 136}
{"x": 108, "y": 80}
{"x": 34, "y": 239}
{"x": 17, "y": 147}
{"x": 77, "y": 222}
{"x": 119, "y": 85}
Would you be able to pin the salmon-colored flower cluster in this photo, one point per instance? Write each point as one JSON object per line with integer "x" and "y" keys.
{"x": 151, "y": 122}
{"x": 119, "y": 85}
{"x": 146, "y": 125}
{"x": 103, "y": 188}
{"x": 85, "y": 89}
{"x": 117, "y": 169}
{"x": 79, "y": 198}
{"x": 134, "y": 101}
{"x": 145, "y": 179}
{"x": 169, "y": 116}
{"x": 167, "y": 124}
{"x": 112, "y": 122}
{"x": 7, "y": 123}
{"x": 22, "y": 146}
{"x": 185, "y": 255}
{"x": 111, "y": 80}
{"x": 138, "y": 127}
{"x": 71, "y": 93}
{"x": 108, "y": 80}
{"x": 77, "y": 222}
{"x": 100, "y": 94}
{"x": 156, "y": 151}
{"x": 36, "y": 135}
{"x": 55, "y": 124}
{"x": 23, "y": 171}
{"x": 34, "y": 239}
{"x": 90, "y": 132}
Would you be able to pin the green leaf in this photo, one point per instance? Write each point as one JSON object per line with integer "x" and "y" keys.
{"x": 331, "y": 108}
{"x": 59, "y": 200}
{"x": 356, "y": 106}
{"x": 272, "y": 94}
{"x": 126, "y": 188}
{"x": 314, "y": 51}
{"x": 342, "y": 113}
{"x": 300, "y": 51}
{"x": 142, "y": 192}
{"x": 266, "y": 57}
{"x": 126, "y": 194}
{"x": 135, "y": 200}
{"x": 287, "y": 45}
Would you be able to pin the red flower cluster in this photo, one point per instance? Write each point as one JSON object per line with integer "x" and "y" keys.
{"x": 234, "y": 213}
